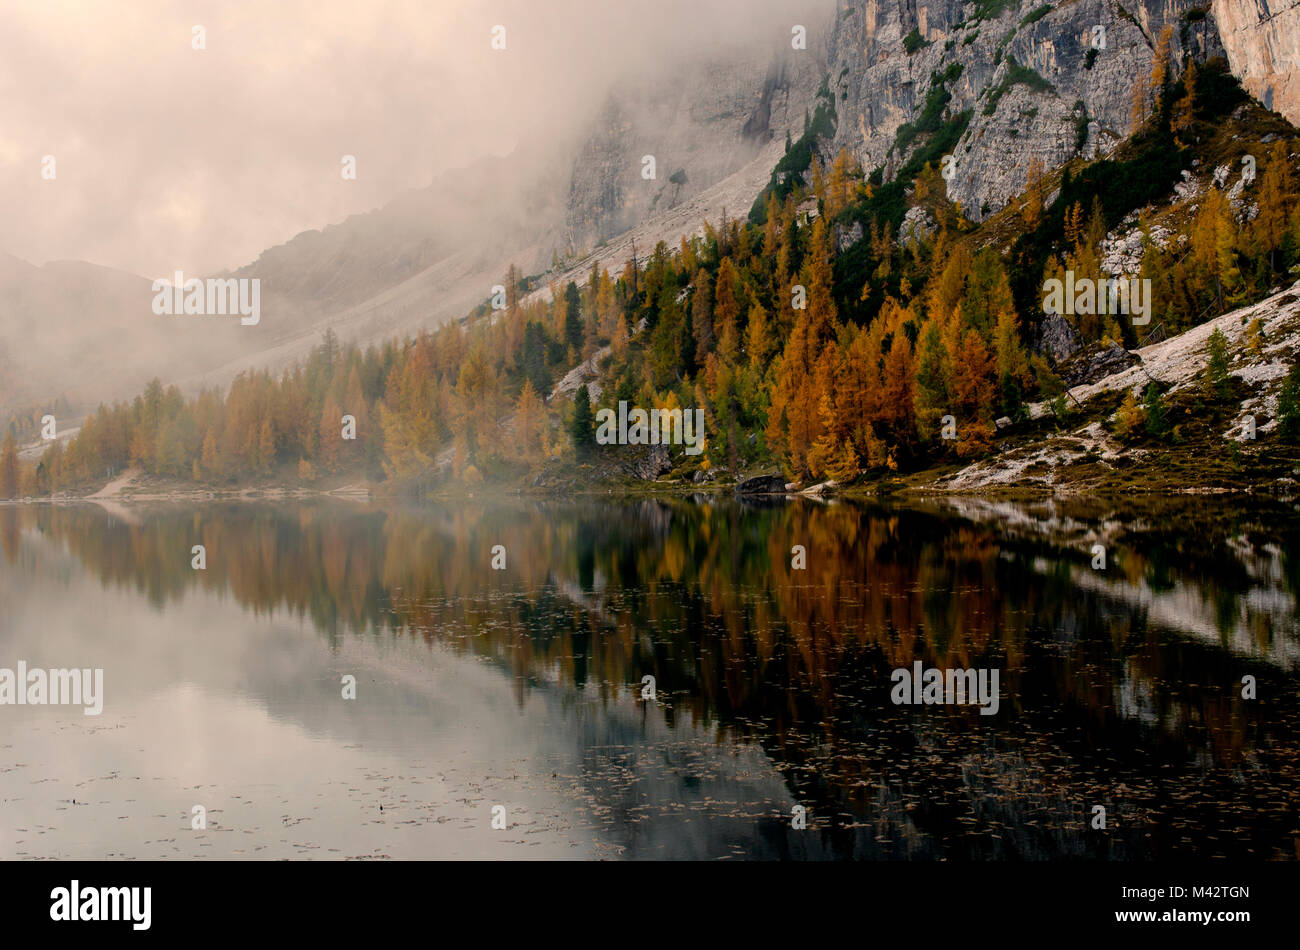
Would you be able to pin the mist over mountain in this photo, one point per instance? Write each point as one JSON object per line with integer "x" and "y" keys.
{"x": 702, "y": 90}
{"x": 432, "y": 254}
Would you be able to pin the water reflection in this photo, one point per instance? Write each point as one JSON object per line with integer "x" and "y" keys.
{"x": 1120, "y": 687}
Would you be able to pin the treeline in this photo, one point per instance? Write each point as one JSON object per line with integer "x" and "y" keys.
{"x": 476, "y": 391}
{"x": 824, "y": 338}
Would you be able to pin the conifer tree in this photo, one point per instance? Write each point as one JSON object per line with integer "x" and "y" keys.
{"x": 572, "y": 317}
{"x": 530, "y": 424}
{"x": 726, "y": 311}
{"x": 1217, "y": 366}
{"x": 582, "y": 427}
{"x": 9, "y": 467}
{"x": 1184, "y": 113}
{"x": 1137, "y": 110}
{"x": 1128, "y": 417}
{"x": 331, "y": 435}
{"x": 1153, "y": 411}
{"x": 702, "y": 313}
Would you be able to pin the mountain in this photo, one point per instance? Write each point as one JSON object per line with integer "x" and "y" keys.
{"x": 831, "y": 318}
{"x": 716, "y": 128}
{"x": 1015, "y": 81}
{"x": 428, "y": 256}
{"x": 87, "y": 332}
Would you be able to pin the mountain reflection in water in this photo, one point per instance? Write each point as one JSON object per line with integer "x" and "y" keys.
{"x": 1119, "y": 687}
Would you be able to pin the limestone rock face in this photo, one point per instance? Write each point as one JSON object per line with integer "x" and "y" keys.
{"x": 1041, "y": 80}
{"x": 1078, "y": 104}
{"x": 1058, "y": 339}
{"x": 1045, "y": 81}
{"x": 1262, "y": 40}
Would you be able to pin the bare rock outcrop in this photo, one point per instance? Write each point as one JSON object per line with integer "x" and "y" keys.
{"x": 1034, "y": 76}
{"x": 1262, "y": 40}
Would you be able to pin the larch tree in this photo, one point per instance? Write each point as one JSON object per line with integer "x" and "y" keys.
{"x": 530, "y": 424}
{"x": 1274, "y": 191}
{"x": 702, "y": 313}
{"x": 759, "y": 342}
{"x": 726, "y": 311}
{"x": 1184, "y": 111}
{"x": 331, "y": 435}
{"x": 1137, "y": 110}
{"x": 9, "y": 467}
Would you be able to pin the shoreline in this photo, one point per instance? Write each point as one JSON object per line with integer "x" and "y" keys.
{"x": 1288, "y": 491}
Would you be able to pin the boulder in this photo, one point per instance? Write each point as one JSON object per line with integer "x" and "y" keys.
{"x": 762, "y": 485}
{"x": 918, "y": 224}
{"x": 822, "y": 488}
{"x": 1094, "y": 363}
{"x": 655, "y": 463}
{"x": 1057, "y": 338}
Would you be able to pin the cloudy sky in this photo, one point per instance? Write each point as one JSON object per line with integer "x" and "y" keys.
{"x": 169, "y": 157}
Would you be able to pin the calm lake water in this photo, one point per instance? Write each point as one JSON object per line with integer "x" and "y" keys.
{"x": 522, "y": 688}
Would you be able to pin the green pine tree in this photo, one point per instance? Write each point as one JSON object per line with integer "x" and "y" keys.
{"x": 1154, "y": 409}
{"x": 1216, "y": 370}
{"x": 582, "y": 428}
{"x": 572, "y": 317}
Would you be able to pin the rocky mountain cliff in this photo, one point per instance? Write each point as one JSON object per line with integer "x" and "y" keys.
{"x": 1050, "y": 81}
{"x": 1262, "y": 40}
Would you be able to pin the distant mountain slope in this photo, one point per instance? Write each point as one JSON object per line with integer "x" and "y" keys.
{"x": 89, "y": 332}
{"x": 430, "y": 255}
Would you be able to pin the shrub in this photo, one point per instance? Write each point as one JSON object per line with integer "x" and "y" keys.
{"x": 1016, "y": 74}
{"x": 913, "y": 41}
{"x": 1036, "y": 15}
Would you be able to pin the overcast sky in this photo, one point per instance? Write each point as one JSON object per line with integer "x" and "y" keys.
{"x": 168, "y": 157}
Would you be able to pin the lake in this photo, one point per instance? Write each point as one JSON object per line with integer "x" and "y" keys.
{"x": 502, "y": 711}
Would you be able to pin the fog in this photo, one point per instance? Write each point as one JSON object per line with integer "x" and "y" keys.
{"x": 168, "y": 157}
